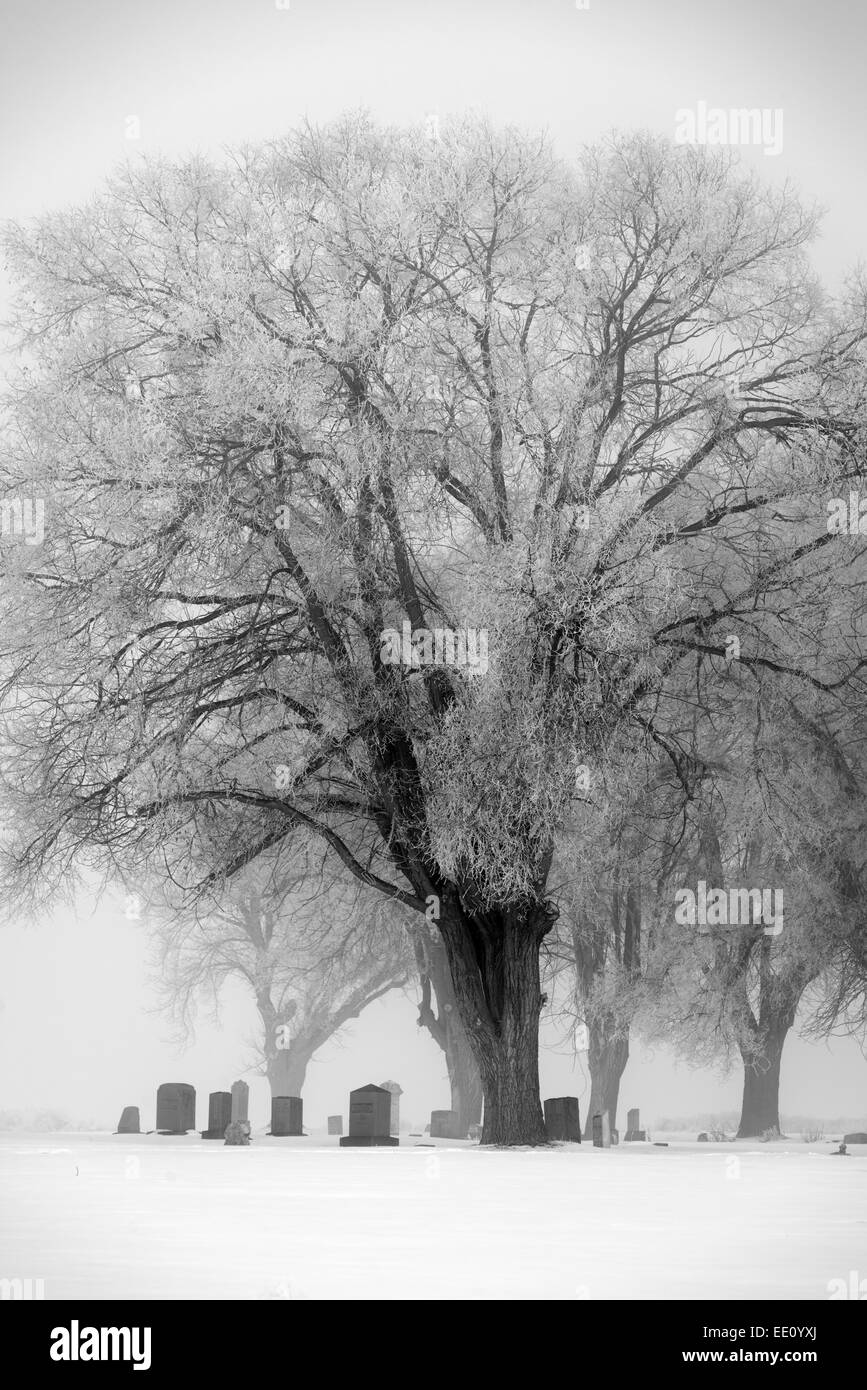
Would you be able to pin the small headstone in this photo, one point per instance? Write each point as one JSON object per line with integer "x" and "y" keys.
{"x": 238, "y": 1132}
{"x": 369, "y": 1119}
{"x": 240, "y": 1101}
{"x": 176, "y": 1108}
{"x": 129, "y": 1122}
{"x": 562, "y": 1119}
{"x": 335, "y": 1124}
{"x": 219, "y": 1114}
{"x": 634, "y": 1133}
{"x": 475, "y": 1131}
{"x": 702, "y": 1138}
{"x": 444, "y": 1124}
{"x": 857, "y": 1138}
{"x": 615, "y": 1136}
{"x": 286, "y": 1117}
{"x": 395, "y": 1092}
{"x": 601, "y": 1131}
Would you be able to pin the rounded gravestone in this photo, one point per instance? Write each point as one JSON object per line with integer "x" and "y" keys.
{"x": 130, "y": 1121}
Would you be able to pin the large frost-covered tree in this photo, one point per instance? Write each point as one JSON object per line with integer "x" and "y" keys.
{"x": 357, "y": 379}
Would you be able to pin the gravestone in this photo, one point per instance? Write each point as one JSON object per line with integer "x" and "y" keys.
{"x": 702, "y": 1138}
{"x": 129, "y": 1122}
{"x": 395, "y": 1092}
{"x": 633, "y": 1132}
{"x": 475, "y": 1131}
{"x": 240, "y": 1101}
{"x": 176, "y": 1108}
{"x": 562, "y": 1119}
{"x": 287, "y": 1113}
{"x": 615, "y": 1136}
{"x": 369, "y": 1119}
{"x": 444, "y": 1124}
{"x": 601, "y": 1131}
{"x": 238, "y": 1132}
{"x": 335, "y": 1124}
{"x": 219, "y": 1114}
{"x": 858, "y": 1137}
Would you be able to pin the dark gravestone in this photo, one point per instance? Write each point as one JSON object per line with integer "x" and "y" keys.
{"x": 129, "y": 1122}
{"x": 369, "y": 1119}
{"x": 286, "y": 1117}
{"x": 335, "y": 1124}
{"x": 562, "y": 1119}
{"x": 702, "y": 1138}
{"x": 598, "y": 1139}
{"x": 176, "y": 1108}
{"x": 238, "y": 1132}
{"x": 859, "y": 1137}
{"x": 444, "y": 1124}
{"x": 219, "y": 1114}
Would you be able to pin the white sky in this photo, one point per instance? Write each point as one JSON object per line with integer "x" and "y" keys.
{"x": 200, "y": 74}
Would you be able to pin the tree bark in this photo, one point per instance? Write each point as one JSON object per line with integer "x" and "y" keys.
{"x": 286, "y": 1077}
{"x": 494, "y": 965}
{"x": 760, "y": 1108}
{"x": 608, "y": 1054}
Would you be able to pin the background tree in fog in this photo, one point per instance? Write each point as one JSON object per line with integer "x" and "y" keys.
{"x": 312, "y": 955}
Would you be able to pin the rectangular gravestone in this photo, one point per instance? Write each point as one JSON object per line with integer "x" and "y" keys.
{"x": 369, "y": 1119}
{"x": 240, "y": 1101}
{"x": 633, "y": 1132}
{"x": 129, "y": 1122}
{"x": 562, "y": 1120}
{"x": 219, "y": 1114}
{"x": 176, "y": 1108}
{"x": 601, "y": 1135}
{"x": 287, "y": 1113}
{"x": 395, "y": 1092}
{"x": 335, "y": 1124}
{"x": 444, "y": 1124}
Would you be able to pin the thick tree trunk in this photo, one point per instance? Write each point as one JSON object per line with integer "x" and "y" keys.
{"x": 494, "y": 965}
{"x": 760, "y": 1108}
{"x": 607, "y": 1055}
{"x": 286, "y": 1071}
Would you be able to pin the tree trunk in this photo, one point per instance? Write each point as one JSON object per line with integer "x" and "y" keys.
{"x": 607, "y": 1055}
{"x": 446, "y": 1029}
{"x": 760, "y": 1108}
{"x": 494, "y": 966}
{"x": 286, "y": 1070}
{"x": 464, "y": 1076}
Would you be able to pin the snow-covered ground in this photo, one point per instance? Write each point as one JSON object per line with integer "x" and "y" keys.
{"x": 99, "y": 1216}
